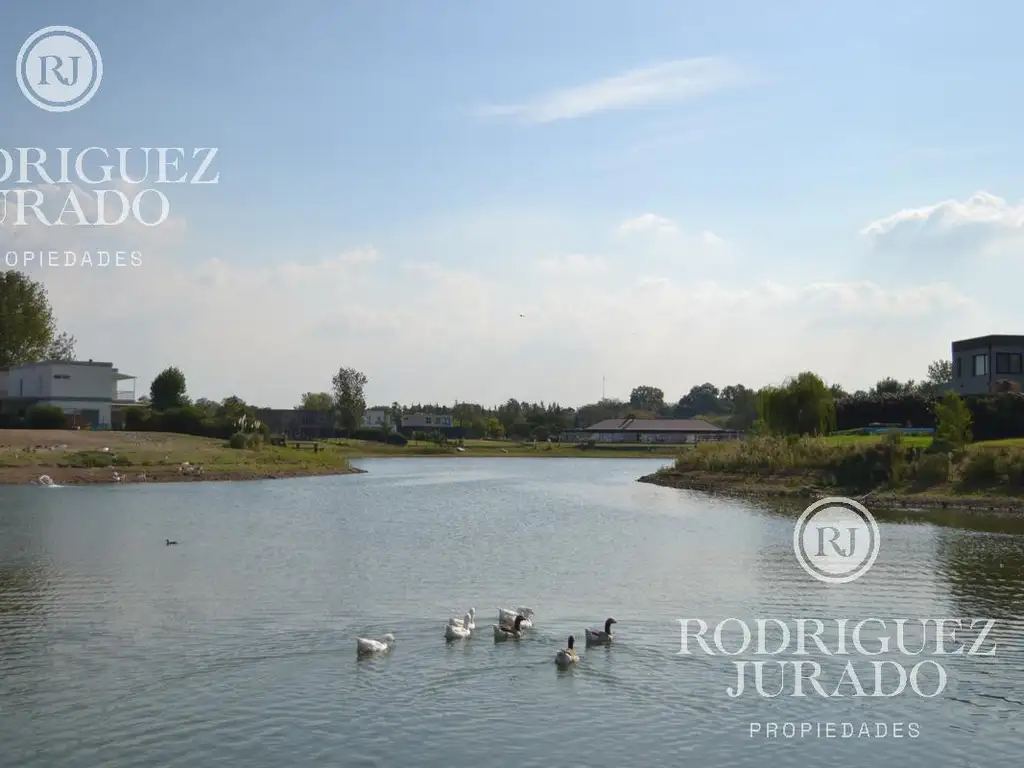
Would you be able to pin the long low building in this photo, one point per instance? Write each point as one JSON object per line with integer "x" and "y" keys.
{"x": 650, "y": 431}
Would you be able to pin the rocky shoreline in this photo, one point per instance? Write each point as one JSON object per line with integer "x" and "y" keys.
{"x": 767, "y": 489}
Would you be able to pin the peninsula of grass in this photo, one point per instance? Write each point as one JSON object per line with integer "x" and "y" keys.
{"x": 890, "y": 471}
{"x": 75, "y": 457}
{"x": 79, "y": 457}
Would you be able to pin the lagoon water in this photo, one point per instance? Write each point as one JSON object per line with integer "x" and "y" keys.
{"x": 237, "y": 647}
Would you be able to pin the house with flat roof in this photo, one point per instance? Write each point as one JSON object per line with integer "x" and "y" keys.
{"x": 87, "y": 391}
{"x": 649, "y": 431}
{"x": 428, "y": 422}
{"x": 979, "y": 364}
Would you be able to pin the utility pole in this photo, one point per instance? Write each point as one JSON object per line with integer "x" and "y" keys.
{"x": 602, "y": 386}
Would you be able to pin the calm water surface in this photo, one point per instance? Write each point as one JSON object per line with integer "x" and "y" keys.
{"x": 237, "y": 647}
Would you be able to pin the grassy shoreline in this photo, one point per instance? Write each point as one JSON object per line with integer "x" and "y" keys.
{"x": 884, "y": 472}
{"x": 75, "y": 457}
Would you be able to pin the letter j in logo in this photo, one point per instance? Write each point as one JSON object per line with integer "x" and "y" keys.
{"x": 836, "y": 540}
{"x": 59, "y": 69}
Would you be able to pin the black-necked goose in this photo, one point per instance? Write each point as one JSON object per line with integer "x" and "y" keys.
{"x": 504, "y": 632}
{"x": 600, "y": 637}
{"x": 567, "y": 655}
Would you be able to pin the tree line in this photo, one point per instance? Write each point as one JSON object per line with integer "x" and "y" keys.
{"x": 801, "y": 405}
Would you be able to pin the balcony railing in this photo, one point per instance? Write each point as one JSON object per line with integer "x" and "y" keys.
{"x": 124, "y": 396}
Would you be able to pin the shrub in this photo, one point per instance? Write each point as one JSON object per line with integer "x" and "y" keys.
{"x": 46, "y": 417}
{"x": 930, "y": 469}
{"x": 979, "y": 467}
{"x": 396, "y": 438}
{"x": 954, "y": 420}
{"x": 375, "y": 434}
{"x": 246, "y": 441}
{"x": 11, "y": 421}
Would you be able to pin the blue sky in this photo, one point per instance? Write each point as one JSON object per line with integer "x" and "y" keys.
{"x": 406, "y": 179}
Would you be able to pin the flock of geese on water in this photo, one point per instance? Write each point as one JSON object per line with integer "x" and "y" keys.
{"x": 510, "y": 626}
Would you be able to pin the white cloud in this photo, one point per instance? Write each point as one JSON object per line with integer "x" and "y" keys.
{"x": 980, "y": 223}
{"x": 536, "y": 327}
{"x": 575, "y": 265}
{"x": 648, "y": 223}
{"x": 269, "y": 333}
{"x": 668, "y": 82}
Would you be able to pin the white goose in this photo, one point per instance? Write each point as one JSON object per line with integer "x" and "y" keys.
{"x": 505, "y": 616}
{"x": 598, "y": 636}
{"x": 459, "y": 631}
{"x": 568, "y": 655}
{"x": 505, "y": 632}
{"x": 365, "y": 645}
{"x": 471, "y": 624}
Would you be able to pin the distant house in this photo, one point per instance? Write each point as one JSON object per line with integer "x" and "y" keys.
{"x": 377, "y": 417}
{"x": 298, "y": 423}
{"x": 649, "y": 431}
{"x": 427, "y": 422}
{"x": 979, "y": 364}
{"x": 88, "y": 392}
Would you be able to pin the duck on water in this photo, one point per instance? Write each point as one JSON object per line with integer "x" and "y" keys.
{"x": 567, "y": 656}
{"x": 598, "y": 636}
{"x": 506, "y": 632}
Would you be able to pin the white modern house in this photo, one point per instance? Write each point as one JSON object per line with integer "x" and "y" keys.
{"x": 377, "y": 417}
{"x": 88, "y": 391}
{"x": 427, "y": 421}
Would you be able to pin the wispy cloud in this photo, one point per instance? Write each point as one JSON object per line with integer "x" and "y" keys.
{"x": 647, "y": 223}
{"x": 668, "y": 82}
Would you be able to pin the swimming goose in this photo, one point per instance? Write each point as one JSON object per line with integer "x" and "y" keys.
{"x": 568, "y": 655}
{"x": 505, "y": 616}
{"x": 454, "y": 622}
{"x": 364, "y": 645}
{"x": 504, "y": 631}
{"x": 457, "y": 631}
{"x": 599, "y": 637}
{"x": 169, "y": 542}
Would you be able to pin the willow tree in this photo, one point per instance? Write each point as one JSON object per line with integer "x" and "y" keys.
{"x": 803, "y": 405}
{"x": 28, "y": 329}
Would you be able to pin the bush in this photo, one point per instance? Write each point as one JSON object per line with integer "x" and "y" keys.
{"x": 11, "y": 421}
{"x": 46, "y": 417}
{"x": 930, "y": 469}
{"x": 979, "y": 468}
{"x": 374, "y": 434}
{"x": 246, "y": 441}
{"x": 396, "y": 438}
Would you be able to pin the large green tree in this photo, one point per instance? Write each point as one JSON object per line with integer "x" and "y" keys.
{"x": 168, "y": 390}
{"x": 349, "y": 399}
{"x": 316, "y": 401}
{"x": 803, "y": 405}
{"x": 647, "y": 398}
{"x": 28, "y": 330}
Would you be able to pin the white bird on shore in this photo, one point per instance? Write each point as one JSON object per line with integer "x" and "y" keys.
{"x": 458, "y": 631}
{"x": 505, "y": 616}
{"x": 367, "y": 646}
{"x": 568, "y": 655}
